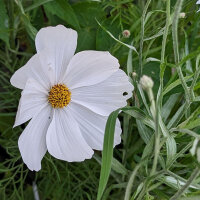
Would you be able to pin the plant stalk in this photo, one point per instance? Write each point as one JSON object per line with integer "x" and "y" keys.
{"x": 185, "y": 187}
{"x": 142, "y": 38}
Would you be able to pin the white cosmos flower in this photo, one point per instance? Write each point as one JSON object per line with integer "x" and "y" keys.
{"x": 67, "y": 97}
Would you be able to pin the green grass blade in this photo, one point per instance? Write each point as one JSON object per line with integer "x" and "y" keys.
{"x": 64, "y": 11}
{"x": 107, "y": 153}
{"x": 112, "y": 36}
{"x": 169, "y": 105}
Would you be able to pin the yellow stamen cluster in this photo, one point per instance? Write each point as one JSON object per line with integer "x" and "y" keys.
{"x": 59, "y": 96}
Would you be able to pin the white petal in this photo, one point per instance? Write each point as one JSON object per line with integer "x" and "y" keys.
{"x": 33, "y": 99}
{"x": 20, "y": 77}
{"x": 105, "y": 97}
{"x": 89, "y": 68}
{"x": 198, "y": 2}
{"x": 60, "y": 43}
{"x": 64, "y": 139}
{"x": 32, "y": 142}
{"x": 37, "y": 68}
{"x": 92, "y": 126}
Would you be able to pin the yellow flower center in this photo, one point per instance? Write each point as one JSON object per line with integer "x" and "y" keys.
{"x": 59, "y": 96}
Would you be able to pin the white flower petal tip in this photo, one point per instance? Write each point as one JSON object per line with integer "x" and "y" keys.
{"x": 36, "y": 68}
{"x": 19, "y": 78}
{"x": 64, "y": 139}
{"x": 32, "y": 142}
{"x": 48, "y": 36}
{"x": 60, "y": 43}
{"x": 33, "y": 99}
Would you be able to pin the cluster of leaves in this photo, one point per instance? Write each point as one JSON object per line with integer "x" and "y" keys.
{"x": 158, "y": 157}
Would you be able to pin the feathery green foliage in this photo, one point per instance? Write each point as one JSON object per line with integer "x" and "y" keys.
{"x": 160, "y": 151}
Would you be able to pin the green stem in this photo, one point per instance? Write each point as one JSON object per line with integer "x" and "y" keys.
{"x": 164, "y": 41}
{"x": 188, "y": 183}
{"x": 156, "y": 150}
{"x": 160, "y": 92}
{"x": 142, "y": 193}
{"x": 132, "y": 178}
{"x": 196, "y": 76}
{"x": 176, "y": 49}
{"x": 130, "y": 183}
{"x": 155, "y": 112}
{"x": 142, "y": 38}
{"x": 165, "y": 34}
{"x": 19, "y": 3}
{"x": 147, "y": 184}
{"x": 152, "y": 101}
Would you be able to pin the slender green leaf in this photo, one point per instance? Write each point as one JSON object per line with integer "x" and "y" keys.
{"x": 177, "y": 117}
{"x": 144, "y": 131}
{"x": 140, "y": 115}
{"x": 118, "y": 167}
{"x": 29, "y": 27}
{"x": 188, "y": 62}
{"x": 107, "y": 153}
{"x": 129, "y": 63}
{"x": 112, "y": 36}
{"x": 36, "y": 4}
{"x": 63, "y": 10}
{"x": 175, "y": 84}
{"x": 168, "y": 106}
{"x": 171, "y": 149}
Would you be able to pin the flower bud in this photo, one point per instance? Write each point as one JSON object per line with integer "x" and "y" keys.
{"x": 146, "y": 82}
{"x": 182, "y": 15}
{"x": 126, "y": 33}
{"x": 134, "y": 74}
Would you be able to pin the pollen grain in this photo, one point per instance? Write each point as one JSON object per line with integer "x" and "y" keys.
{"x": 59, "y": 96}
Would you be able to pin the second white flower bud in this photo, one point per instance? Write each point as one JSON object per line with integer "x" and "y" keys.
{"x": 146, "y": 82}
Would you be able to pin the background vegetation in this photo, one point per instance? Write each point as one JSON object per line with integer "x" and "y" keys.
{"x": 160, "y": 152}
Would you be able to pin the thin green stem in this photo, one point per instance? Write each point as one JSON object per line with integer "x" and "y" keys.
{"x": 164, "y": 41}
{"x": 160, "y": 92}
{"x": 19, "y": 3}
{"x": 148, "y": 182}
{"x": 156, "y": 149}
{"x": 196, "y": 76}
{"x": 132, "y": 178}
{"x": 152, "y": 101}
{"x": 142, "y": 193}
{"x": 157, "y": 138}
{"x": 189, "y": 132}
{"x": 188, "y": 183}
{"x": 165, "y": 34}
{"x": 130, "y": 183}
{"x": 142, "y": 38}
{"x": 176, "y": 49}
